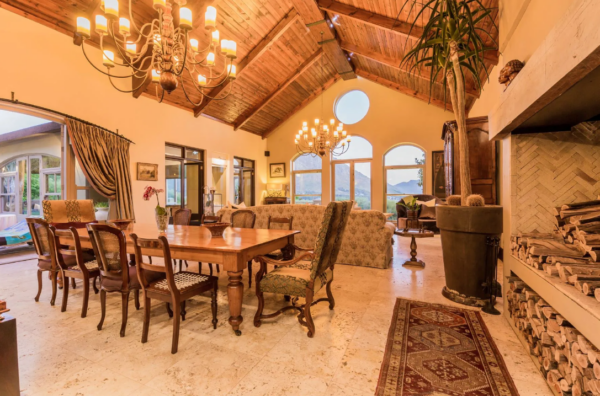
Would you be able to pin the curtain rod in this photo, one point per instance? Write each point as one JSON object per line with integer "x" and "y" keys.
{"x": 17, "y": 102}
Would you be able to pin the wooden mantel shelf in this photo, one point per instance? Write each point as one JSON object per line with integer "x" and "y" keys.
{"x": 570, "y": 52}
{"x": 582, "y": 311}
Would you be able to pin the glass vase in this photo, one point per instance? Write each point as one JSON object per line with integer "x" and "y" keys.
{"x": 162, "y": 222}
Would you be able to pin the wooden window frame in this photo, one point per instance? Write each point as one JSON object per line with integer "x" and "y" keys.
{"x": 296, "y": 172}
{"x": 241, "y": 169}
{"x": 183, "y": 161}
{"x": 393, "y": 167}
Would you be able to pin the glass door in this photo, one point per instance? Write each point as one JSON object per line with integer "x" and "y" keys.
{"x": 243, "y": 181}
{"x": 193, "y": 191}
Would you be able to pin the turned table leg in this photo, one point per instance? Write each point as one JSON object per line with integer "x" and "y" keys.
{"x": 235, "y": 292}
{"x": 413, "y": 254}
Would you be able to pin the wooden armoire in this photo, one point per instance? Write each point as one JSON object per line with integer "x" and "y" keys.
{"x": 483, "y": 157}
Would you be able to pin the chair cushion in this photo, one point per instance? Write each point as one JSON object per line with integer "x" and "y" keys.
{"x": 183, "y": 280}
{"x": 292, "y": 281}
{"x": 46, "y": 265}
{"x": 304, "y": 265}
{"x": 90, "y": 265}
{"x": 115, "y": 284}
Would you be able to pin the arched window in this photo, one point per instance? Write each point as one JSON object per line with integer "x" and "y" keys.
{"x": 404, "y": 168}
{"x": 352, "y": 173}
{"x": 306, "y": 179}
{"x": 28, "y": 180}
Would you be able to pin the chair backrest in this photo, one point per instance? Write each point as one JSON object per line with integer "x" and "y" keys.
{"x": 182, "y": 216}
{"x": 279, "y": 223}
{"x": 243, "y": 218}
{"x": 69, "y": 212}
{"x": 110, "y": 248}
{"x": 42, "y": 239}
{"x": 142, "y": 267}
{"x": 215, "y": 219}
{"x": 329, "y": 240}
{"x": 73, "y": 250}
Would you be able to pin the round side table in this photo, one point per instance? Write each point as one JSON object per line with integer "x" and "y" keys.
{"x": 413, "y": 244}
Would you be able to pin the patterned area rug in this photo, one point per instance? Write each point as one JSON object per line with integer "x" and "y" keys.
{"x": 436, "y": 350}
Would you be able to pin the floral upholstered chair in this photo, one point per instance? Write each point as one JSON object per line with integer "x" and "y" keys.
{"x": 308, "y": 272}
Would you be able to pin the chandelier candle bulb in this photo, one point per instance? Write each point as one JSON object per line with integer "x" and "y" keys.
{"x": 232, "y": 48}
{"x": 215, "y": 38}
{"x": 108, "y": 58}
{"x": 348, "y": 138}
{"x": 343, "y": 133}
{"x": 210, "y": 18}
{"x": 327, "y": 143}
{"x": 316, "y": 121}
{"x": 101, "y": 25}
{"x": 83, "y": 27}
{"x": 185, "y": 18}
{"x": 201, "y": 80}
{"x": 332, "y": 121}
{"x": 111, "y": 8}
{"x": 304, "y": 124}
{"x": 310, "y": 144}
{"x": 131, "y": 48}
{"x": 231, "y": 71}
{"x": 158, "y": 4}
{"x": 155, "y": 76}
{"x": 124, "y": 26}
{"x": 335, "y": 134}
{"x": 210, "y": 59}
{"x": 194, "y": 44}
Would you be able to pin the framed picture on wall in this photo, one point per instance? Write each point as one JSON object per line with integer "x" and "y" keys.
{"x": 439, "y": 177}
{"x": 147, "y": 172}
{"x": 277, "y": 170}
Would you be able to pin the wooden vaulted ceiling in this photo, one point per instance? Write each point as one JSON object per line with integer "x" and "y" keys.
{"x": 288, "y": 51}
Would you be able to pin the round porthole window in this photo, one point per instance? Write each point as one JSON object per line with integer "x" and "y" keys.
{"x": 352, "y": 107}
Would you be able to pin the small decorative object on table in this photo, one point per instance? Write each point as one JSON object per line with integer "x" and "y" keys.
{"x": 101, "y": 210}
{"x": 216, "y": 229}
{"x": 209, "y": 200}
{"x": 412, "y": 212}
{"x": 161, "y": 213}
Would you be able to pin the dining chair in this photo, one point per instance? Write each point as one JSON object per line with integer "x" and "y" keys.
{"x": 84, "y": 268}
{"x": 211, "y": 219}
{"x": 116, "y": 275}
{"x": 45, "y": 249}
{"x": 279, "y": 223}
{"x": 181, "y": 216}
{"x": 308, "y": 272}
{"x": 244, "y": 218}
{"x": 174, "y": 289}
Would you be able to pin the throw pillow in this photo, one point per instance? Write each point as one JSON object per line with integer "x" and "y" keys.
{"x": 427, "y": 203}
{"x": 427, "y": 212}
{"x": 407, "y": 199}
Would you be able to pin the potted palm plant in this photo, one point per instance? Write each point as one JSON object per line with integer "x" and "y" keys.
{"x": 452, "y": 46}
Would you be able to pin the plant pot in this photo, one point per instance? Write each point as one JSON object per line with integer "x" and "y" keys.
{"x": 412, "y": 218}
{"x": 101, "y": 213}
{"x": 162, "y": 222}
{"x": 464, "y": 230}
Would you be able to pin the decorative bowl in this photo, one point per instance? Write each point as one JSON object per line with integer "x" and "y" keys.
{"x": 121, "y": 224}
{"x": 216, "y": 229}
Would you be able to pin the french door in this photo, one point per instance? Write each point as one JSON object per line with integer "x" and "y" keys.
{"x": 352, "y": 180}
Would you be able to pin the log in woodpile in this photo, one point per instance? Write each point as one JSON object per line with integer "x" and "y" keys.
{"x": 568, "y": 361}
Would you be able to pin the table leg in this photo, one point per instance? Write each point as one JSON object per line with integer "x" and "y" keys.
{"x": 235, "y": 292}
{"x": 413, "y": 254}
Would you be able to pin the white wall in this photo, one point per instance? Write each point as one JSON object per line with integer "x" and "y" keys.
{"x": 393, "y": 118}
{"x": 48, "y": 143}
{"x": 45, "y": 68}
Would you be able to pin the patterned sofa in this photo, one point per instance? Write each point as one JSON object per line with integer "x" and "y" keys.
{"x": 367, "y": 241}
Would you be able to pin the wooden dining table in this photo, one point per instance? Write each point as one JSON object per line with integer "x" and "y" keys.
{"x": 233, "y": 250}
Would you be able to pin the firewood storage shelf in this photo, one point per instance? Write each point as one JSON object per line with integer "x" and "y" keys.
{"x": 583, "y": 312}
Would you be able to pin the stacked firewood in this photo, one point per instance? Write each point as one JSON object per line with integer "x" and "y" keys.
{"x": 572, "y": 252}
{"x": 568, "y": 361}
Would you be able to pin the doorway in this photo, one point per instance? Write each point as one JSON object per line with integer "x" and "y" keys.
{"x": 184, "y": 179}
{"x": 243, "y": 181}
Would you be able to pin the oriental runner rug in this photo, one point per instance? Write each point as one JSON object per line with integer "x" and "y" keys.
{"x": 437, "y": 350}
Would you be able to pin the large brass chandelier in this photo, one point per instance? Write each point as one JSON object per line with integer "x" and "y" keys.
{"x": 161, "y": 52}
{"x": 322, "y": 138}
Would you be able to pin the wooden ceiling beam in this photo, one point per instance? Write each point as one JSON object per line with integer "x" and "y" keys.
{"x": 253, "y": 55}
{"x": 383, "y": 22}
{"x": 303, "y": 104}
{"x": 403, "y": 89}
{"x": 244, "y": 118}
{"x": 392, "y": 62}
{"x": 323, "y": 32}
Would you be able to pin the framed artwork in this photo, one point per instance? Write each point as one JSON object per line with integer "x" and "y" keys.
{"x": 147, "y": 172}
{"x": 277, "y": 170}
{"x": 439, "y": 177}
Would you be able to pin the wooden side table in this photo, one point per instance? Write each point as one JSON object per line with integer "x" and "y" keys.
{"x": 413, "y": 244}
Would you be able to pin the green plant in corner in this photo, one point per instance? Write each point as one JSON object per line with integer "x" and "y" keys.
{"x": 99, "y": 205}
{"x": 452, "y": 44}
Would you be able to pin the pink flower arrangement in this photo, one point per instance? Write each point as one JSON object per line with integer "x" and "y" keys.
{"x": 149, "y": 191}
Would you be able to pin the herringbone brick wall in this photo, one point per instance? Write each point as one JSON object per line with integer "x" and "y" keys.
{"x": 551, "y": 169}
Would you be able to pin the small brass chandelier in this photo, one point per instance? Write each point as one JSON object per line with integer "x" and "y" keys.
{"x": 161, "y": 52}
{"x": 322, "y": 138}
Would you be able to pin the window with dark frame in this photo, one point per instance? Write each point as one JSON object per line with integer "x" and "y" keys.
{"x": 243, "y": 181}
{"x": 184, "y": 178}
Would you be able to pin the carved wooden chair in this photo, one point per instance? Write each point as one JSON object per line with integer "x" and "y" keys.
{"x": 45, "y": 249}
{"x": 116, "y": 275}
{"x": 181, "y": 216}
{"x": 244, "y": 218}
{"x": 308, "y": 272}
{"x": 279, "y": 223}
{"x": 211, "y": 219}
{"x": 175, "y": 289}
{"x": 84, "y": 268}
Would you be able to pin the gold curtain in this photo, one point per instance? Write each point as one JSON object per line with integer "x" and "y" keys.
{"x": 104, "y": 158}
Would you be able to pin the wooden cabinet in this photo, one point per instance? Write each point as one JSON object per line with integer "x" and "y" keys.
{"x": 277, "y": 200}
{"x": 483, "y": 158}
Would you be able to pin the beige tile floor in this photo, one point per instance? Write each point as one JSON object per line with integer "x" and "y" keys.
{"x": 63, "y": 354}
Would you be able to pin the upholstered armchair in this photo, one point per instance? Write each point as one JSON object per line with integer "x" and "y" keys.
{"x": 308, "y": 272}
{"x": 67, "y": 213}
